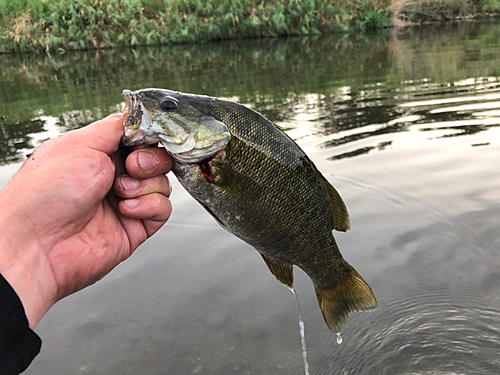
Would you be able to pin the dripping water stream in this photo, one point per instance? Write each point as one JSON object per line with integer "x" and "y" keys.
{"x": 302, "y": 335}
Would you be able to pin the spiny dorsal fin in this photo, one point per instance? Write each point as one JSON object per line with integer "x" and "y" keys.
{"x": 281, "y": 270}
{"x": 352, "y": 294}
{"x": 338, "y": 209}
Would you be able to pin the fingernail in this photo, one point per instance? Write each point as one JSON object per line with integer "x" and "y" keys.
{"x": 129, "y": 184}
{"x": 131, "y": 203}
{"x": 146, "y": 160}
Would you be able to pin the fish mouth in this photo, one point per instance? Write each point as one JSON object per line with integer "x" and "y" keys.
{"x": 131, "y": 111}
{"x": 127, "y": 95}
{"x": 138, "y": 138}
{"x": 136, "y": 116}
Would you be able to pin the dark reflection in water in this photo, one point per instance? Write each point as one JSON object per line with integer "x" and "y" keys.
{"x": 355, "y": 82}
{"x": 405, "y": 124}
{"x": 15, "y": 138}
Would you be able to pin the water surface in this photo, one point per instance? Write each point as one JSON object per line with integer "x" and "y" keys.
{"x": 405, "y": 124}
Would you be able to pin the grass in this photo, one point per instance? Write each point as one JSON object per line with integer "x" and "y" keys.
{"x": 62, "y": 25}
{"x": 43, "y": 25}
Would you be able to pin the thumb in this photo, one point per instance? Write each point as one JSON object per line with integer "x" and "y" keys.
{"x": 103, "y": 135}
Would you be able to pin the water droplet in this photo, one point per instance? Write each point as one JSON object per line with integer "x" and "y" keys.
{"x": 339, "y": 338}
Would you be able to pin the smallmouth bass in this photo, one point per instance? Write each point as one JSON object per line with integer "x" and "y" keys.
{"x": 258, "y": 185}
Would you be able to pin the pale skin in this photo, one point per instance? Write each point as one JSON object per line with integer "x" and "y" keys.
{"x": 66, "y": 220}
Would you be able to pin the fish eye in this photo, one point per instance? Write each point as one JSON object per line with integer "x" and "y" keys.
{"x": 168, "y": 105}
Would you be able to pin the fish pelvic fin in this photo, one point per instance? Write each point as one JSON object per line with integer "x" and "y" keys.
{"x": 353, "y": 294}
{"x": 281, "y": 270}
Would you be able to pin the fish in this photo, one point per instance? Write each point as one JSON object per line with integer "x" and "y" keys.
{"x": 259, "y": 185}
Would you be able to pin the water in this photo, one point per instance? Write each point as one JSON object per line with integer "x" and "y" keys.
{"x": 302, "y": 332}
{"x": 406, "y": 125}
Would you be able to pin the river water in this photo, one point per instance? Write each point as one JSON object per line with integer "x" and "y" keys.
{"x": 404, "y": 123}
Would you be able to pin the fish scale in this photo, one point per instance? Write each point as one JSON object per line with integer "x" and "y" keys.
{"x": 260, "y": 186}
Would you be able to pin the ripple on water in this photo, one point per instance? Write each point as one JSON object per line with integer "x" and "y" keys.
{"x": 437, "y": 332}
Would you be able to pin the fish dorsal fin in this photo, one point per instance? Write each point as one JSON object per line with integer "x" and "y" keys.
{"x": 338, "y": 209}
{"x": 281, "y": 270}
{"x": 278, "y": 127}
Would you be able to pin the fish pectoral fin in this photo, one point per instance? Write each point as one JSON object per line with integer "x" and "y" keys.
{"x": 352, "y": 294}
{"x": 213, "y": 215}
{"x": 281, "y": 270}
{"x": 338, "y": 209}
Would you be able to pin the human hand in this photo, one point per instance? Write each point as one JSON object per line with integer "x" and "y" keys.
{"x": 66, "y": 221}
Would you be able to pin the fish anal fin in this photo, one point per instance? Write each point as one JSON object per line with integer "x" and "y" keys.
{"x": 353, "y": 294}
{"x": 281, "y": 270}
{"x": 338, "y": 209}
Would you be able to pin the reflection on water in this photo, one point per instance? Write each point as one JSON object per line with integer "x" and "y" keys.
{"x": 328, "y": 85}
{"x": 455, "y": 113}
{"x": 442, "y": 318}
{"x": 452, "y": 332}
{"x": 404, "y": 124}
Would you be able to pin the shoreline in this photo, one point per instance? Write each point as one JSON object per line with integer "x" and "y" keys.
{"x": 65, "y": 25}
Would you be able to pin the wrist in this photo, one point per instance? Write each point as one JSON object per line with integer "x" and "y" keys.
{"x": 23, "y": 265}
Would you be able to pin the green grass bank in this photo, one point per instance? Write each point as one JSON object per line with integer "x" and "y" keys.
{"x": 42, "y": 25}
{"x": 62, "y": 25}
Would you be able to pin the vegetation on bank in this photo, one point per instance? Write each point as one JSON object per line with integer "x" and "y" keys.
{"x": 62, "y": 25}
{"x": 425, "y": 11}
{"x": 42, "y": 25}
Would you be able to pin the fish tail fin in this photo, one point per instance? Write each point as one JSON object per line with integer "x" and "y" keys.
{"x": 352, "y": 294}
